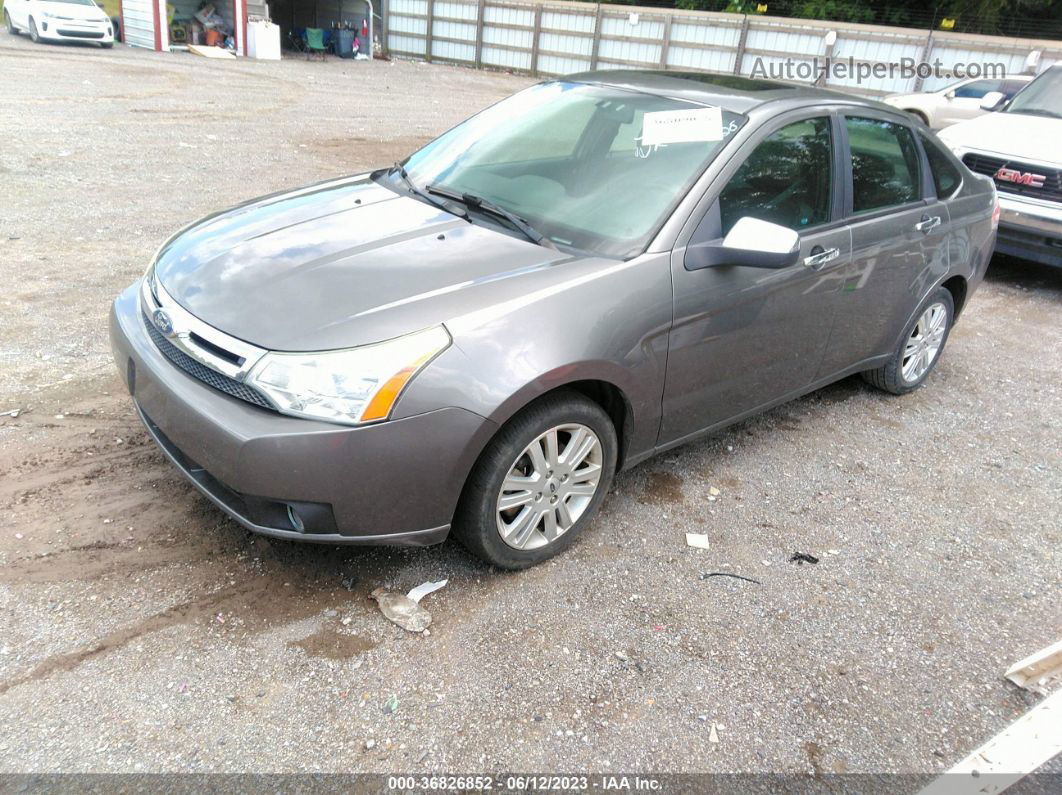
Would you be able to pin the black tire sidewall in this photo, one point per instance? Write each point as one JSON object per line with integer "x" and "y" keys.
{"x": 475, "y": 522}
{"x": 894, "y": 369}
{"x": 34, "y": 35}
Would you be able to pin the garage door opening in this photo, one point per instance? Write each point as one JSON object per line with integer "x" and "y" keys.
{"x": 346, "y": 25}
{"x": 166, "y": 26}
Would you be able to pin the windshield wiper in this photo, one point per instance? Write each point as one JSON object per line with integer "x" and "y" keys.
{"x": 479, "y": 203}
{"x": 399, "y": 169}
{"x": 1038, "y": 112}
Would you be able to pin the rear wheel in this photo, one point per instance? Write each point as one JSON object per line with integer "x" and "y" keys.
{"x": 919, "y": 348}
{"x": 538, "y": 483}
{"x": 34, "y": 35}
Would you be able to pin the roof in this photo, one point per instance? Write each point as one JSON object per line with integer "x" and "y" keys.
{"x": 732, "y": 92}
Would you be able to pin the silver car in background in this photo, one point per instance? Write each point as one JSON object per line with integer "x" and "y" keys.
{"x": 592, "y": 271}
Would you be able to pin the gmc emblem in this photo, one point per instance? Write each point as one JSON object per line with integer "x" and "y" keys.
{"x": 1019, "y": 178}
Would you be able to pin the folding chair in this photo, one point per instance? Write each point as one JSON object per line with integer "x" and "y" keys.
{"x": 315, "y": 42}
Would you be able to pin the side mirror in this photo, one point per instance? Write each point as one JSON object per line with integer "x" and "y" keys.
{"x": 751, "y": 243}
{"x": 993, "y": 100}
{"x": 950, "y": 95}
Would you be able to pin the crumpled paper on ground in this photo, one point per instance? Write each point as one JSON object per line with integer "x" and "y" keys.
{"x": 405, "y": 609}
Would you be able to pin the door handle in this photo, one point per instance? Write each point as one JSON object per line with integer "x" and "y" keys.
{"x": 820, "y": 257}
{"x": 927, "y": 223}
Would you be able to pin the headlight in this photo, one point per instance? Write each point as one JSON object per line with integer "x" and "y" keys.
{"x": 351, "y": 386}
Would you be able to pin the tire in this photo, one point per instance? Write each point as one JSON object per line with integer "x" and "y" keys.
{"x": 34, "y": 35}
{"x": 106, "y": 44}
{"x": 11, "y": 29}
{"x": 564, "y": 494}
{"x": 903, "y": 373}
{"x": 919, "y": 115}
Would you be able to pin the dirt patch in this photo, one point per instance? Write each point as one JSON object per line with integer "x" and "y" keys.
{"x": 332, "y": 645}
{"x": 662, "y": 488}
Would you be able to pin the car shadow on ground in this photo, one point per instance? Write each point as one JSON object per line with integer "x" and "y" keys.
{"x": 1022, "y": 274}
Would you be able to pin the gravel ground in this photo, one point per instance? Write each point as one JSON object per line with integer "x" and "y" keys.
{"x": 144, "y": 631}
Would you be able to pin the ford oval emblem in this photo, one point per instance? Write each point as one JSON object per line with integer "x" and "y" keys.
{"x": 162, "y": 321}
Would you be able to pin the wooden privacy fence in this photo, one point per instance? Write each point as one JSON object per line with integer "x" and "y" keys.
{"x": 555, "y": 38}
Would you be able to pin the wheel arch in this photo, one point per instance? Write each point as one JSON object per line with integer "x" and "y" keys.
{"x": 598, "y": 387}
{"x": 959, "y": 289}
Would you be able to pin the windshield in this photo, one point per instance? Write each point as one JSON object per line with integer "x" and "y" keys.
{"x": 588, "y": 167}
{"x": 75, "y": 2}
{"x": 1043, "y": 96}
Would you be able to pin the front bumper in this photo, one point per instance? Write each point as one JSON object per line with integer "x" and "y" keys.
{"x": 1030, "y": 229}
{"x": 75, "y": 30}
{"x": 395, "y": 482}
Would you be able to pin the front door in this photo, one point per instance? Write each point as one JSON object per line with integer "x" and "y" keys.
{"x": 744, "y": 337}
{"x": 964, "y": 102}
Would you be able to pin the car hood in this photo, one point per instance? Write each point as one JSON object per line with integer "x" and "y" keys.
{"x": 72, "y": 11}
{"x": 1013, "y": 135}
{"x": 341, "y": 264}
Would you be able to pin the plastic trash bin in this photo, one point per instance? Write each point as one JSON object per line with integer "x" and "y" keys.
{"x": 344, "y": 43}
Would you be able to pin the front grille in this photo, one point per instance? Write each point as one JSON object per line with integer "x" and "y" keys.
{"x": 81, "y": 34}
{"x": 213, "y": 378}
{"x": 1051, "y": 191}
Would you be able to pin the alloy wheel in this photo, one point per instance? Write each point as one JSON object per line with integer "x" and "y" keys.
{"x": 549, "y": 486}
{"x": 924, "y": 343}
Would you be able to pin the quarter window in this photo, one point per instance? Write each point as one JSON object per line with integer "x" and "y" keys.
{"x": 786, "y": 180}
{"x": 946, "y": 177}
{"x": 885, "y": 169}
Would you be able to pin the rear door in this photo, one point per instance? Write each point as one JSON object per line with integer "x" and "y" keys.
{"x": 899, "y": 239}
{"x": 744, "y": 337}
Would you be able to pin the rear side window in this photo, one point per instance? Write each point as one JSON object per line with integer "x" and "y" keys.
{"x": 946, "y": 177}
{"x": 786, "y": 180}
{"x": 885, "y": 169}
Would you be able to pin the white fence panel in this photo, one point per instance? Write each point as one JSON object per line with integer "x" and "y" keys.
{"x": 556, "y": 37}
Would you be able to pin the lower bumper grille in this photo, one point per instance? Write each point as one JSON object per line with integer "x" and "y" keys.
{"x": 201, "y": 372}
{"x": 80, "y": 34}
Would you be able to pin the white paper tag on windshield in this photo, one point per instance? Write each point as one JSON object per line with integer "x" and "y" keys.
{"x": 682, "y": 126}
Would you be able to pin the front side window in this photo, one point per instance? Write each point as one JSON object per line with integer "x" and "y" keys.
{"x": 586, "y": 165}
{"x": 885, "y": 169}
{"x": 786, "y": 180}
{"x": 976, "y": 89}
{"x": 946, "y": 177}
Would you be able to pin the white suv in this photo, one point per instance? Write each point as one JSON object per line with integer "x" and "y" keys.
{"x": 1019, "y": 147}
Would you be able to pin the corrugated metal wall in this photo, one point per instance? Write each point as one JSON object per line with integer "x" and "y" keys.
{"x": 555, "y": 38}
{"x": 138, "y": 23}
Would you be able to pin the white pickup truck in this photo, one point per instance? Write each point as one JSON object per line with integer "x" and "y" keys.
{"x": 1020, "y": 147}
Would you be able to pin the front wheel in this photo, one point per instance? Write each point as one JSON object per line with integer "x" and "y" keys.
{"x": 106, "y": 44}
{"x": 919, "y": 348}
{"x": 34, "y": 35}
{"x": 538, "y": 483}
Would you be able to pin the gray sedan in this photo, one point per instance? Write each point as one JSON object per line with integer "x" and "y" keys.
{"x": 595, "y": 270}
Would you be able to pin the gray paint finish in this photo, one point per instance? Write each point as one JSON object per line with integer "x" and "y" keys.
{"x": 350, "y": 262}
